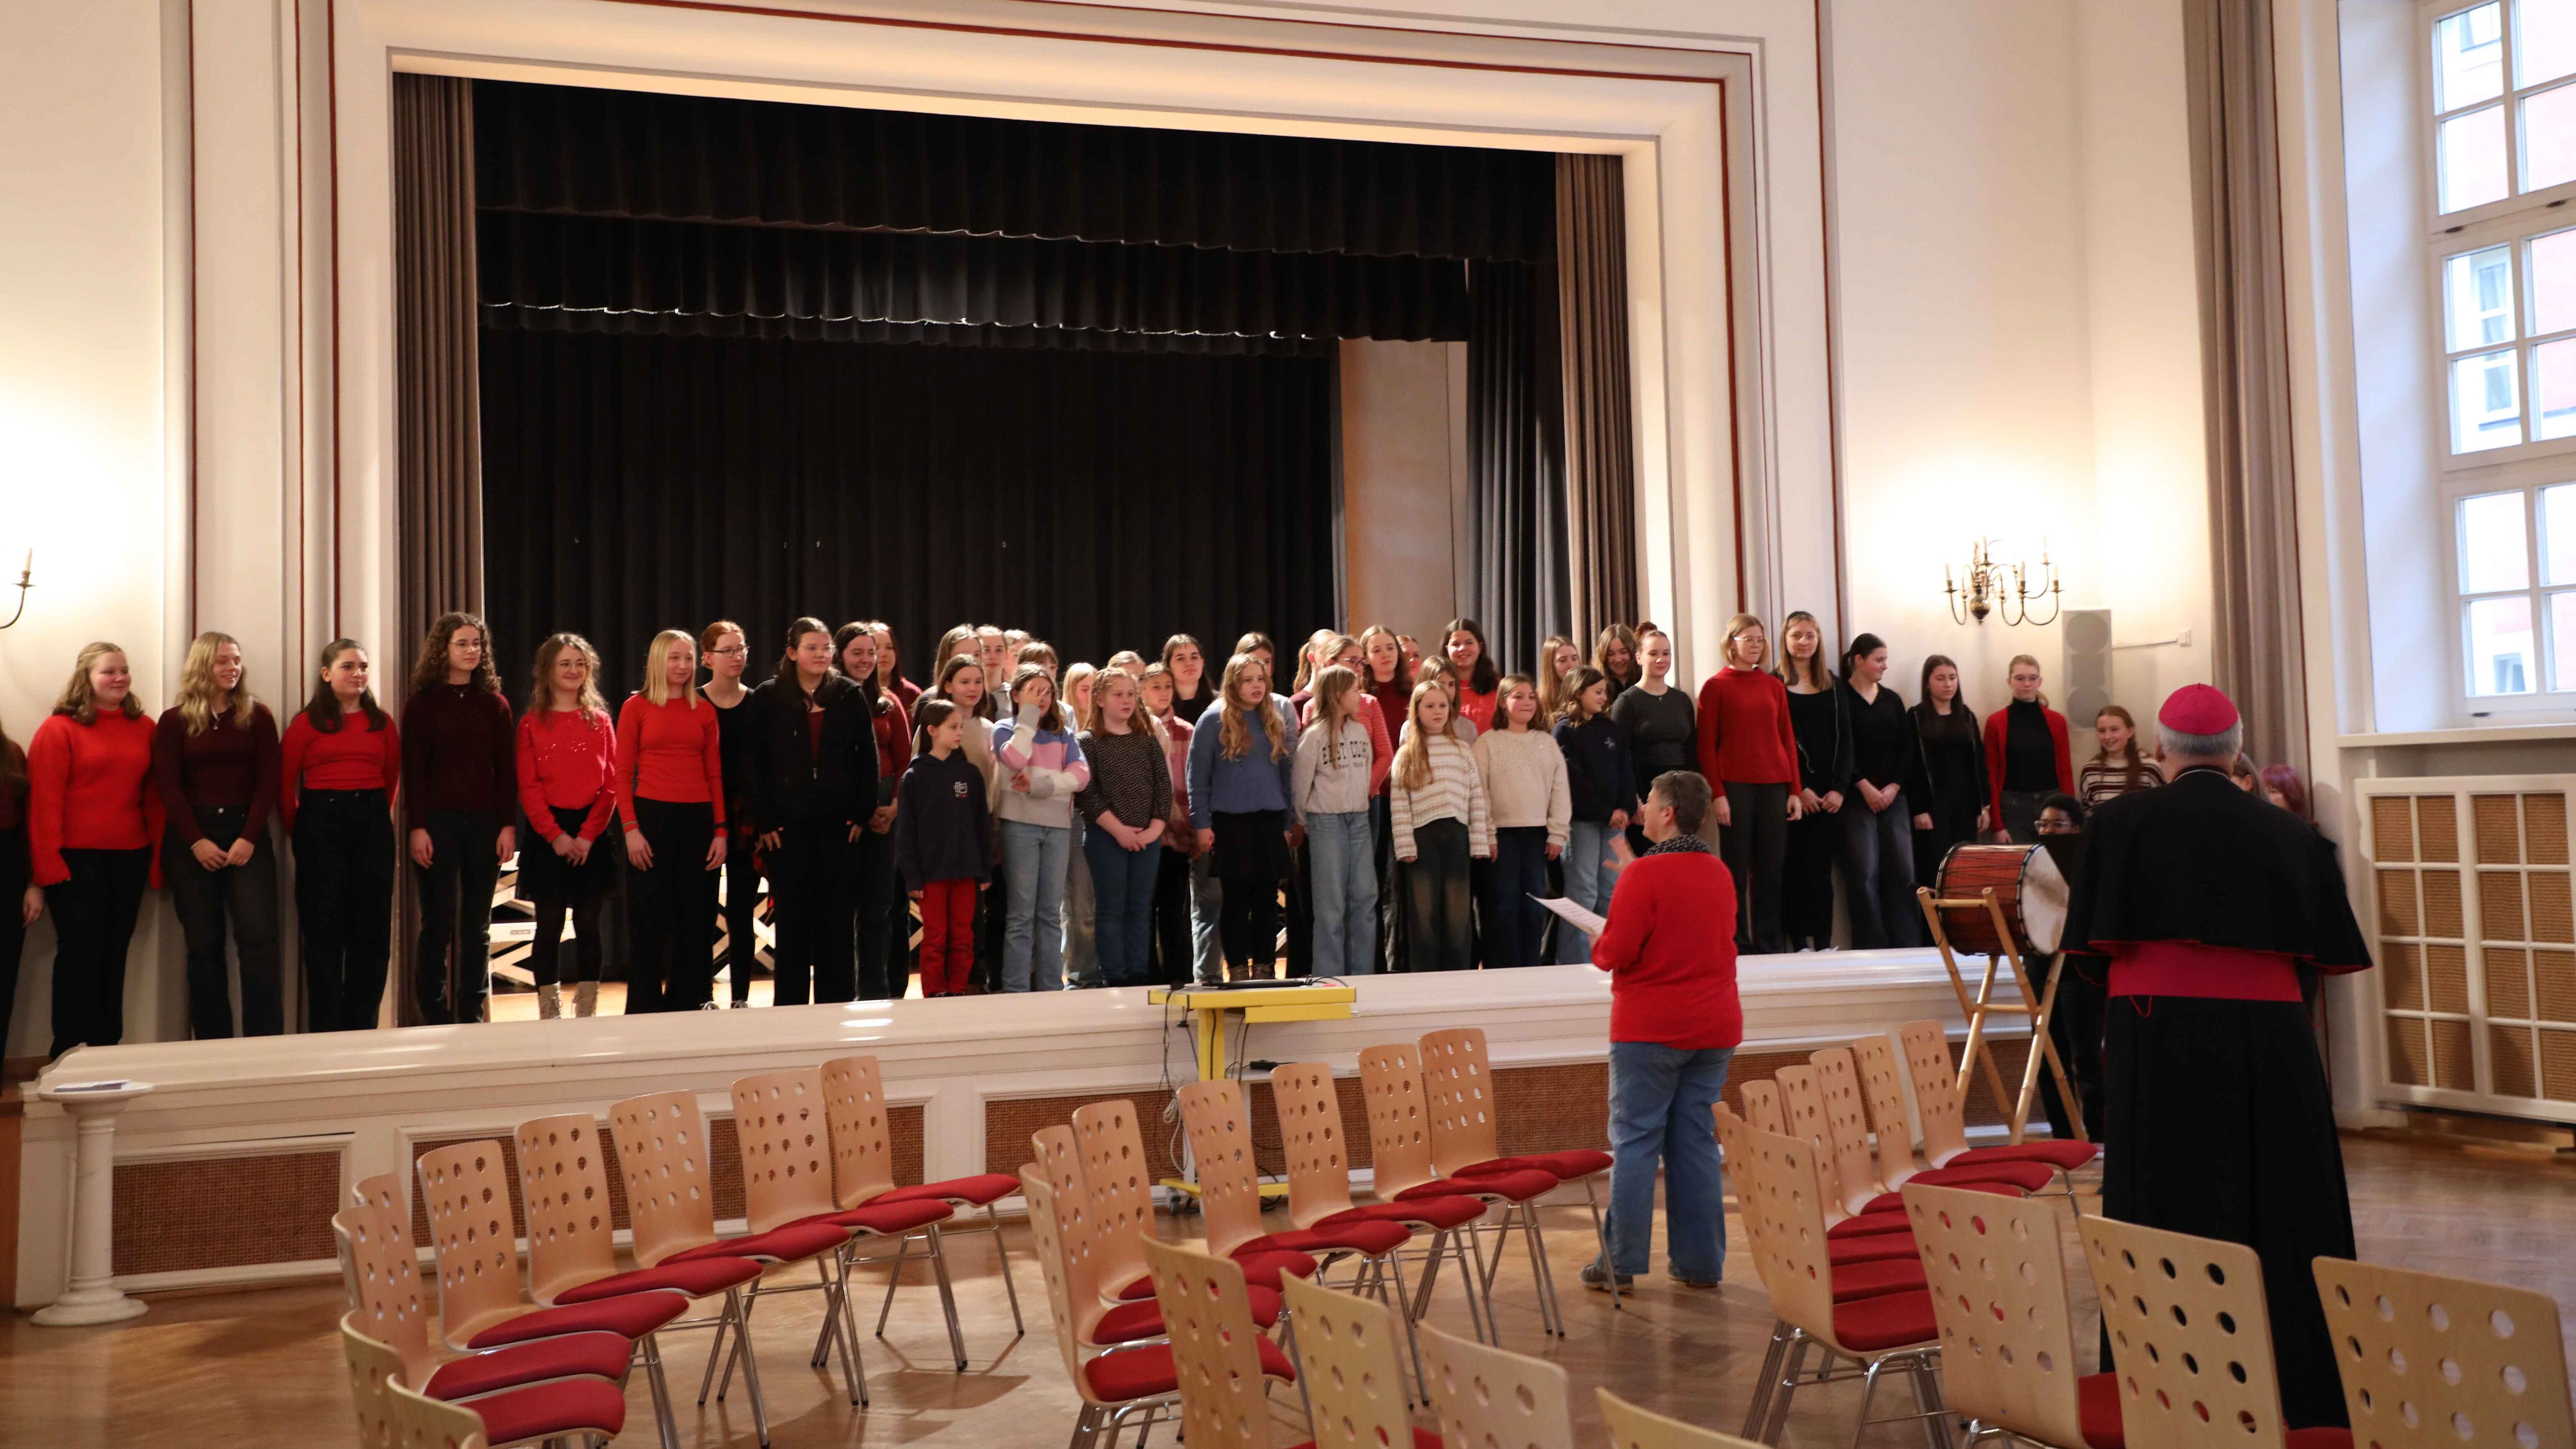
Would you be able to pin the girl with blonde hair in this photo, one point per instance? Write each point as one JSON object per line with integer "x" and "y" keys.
{"x": 1331, "y": 793}
{"x": 670, "y": 793}
{"x": 1749, "y": 757}
{"x": 567, "y": 769}
{"x": 92, "y": 816}
{"x": 215, "y": 761}
{"x": 1242, "y": 778}
{"x": 1440, "y": 821}
{"x": 1044, "y": 769}
{"x": 2027, "y": 755}
{"x": 1531, "y": 806}
{"x": 1124, "y": 808}
{"x": 1557, "y": 658}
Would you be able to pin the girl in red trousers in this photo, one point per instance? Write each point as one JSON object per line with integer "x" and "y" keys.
{"x": 567, "y": 766}
{"x": 943, "y": 844}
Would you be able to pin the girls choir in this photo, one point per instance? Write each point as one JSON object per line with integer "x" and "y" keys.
{"x": 1146, "y": 813}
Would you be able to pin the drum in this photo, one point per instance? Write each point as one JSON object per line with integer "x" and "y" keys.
{"x": 2027, "y": 885}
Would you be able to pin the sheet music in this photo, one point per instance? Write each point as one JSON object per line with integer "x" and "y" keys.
{"x": 1574, "y": 915}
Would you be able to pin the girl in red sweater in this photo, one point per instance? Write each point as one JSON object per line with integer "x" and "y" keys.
{"x": 1749, "y": 756}
{"x": 2027, "y": 759}
{"x": 1479, "y": 678}
{"x": 92, "y": 820}
{"x": 671, "y": 797}
{"x": 567, "y": 758}
{"x": 338, "y": 771}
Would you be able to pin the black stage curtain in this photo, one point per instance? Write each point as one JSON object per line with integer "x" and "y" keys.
{"x": 650, "y": 276}
{"x": 1102, "y": 500}
{"x": 1517, "y": 583}
{"x": 691, "y": 158}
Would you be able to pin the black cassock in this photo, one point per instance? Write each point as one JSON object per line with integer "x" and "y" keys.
{"x": 2220, "y": 1123}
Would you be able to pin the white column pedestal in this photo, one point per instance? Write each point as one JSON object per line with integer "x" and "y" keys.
{"x": 93, "y": 1296}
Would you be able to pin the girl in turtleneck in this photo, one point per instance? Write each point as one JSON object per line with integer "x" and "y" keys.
{"x": 2027, "y": 759}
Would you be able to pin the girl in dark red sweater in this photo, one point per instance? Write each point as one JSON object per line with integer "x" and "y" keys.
{"x": 215, "y": 762}
{"x": 567, "y": 772}
{"x": 1749, "y": 755}
{"x": 92, "y": 820}
{"x": 671, "y": 795}
{"x": 338, "y": 772}
{"x": 459, "y": 794}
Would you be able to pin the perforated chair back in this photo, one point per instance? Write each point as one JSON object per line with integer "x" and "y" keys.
{"x": 421, "y": 1422}
{"x": 1310, "y": 1128}
{"x": 468, "y": 1195}
{"x": 1399, "y": 1119}
{"x": 2429, "y": 1360}
{"x": 1846, "y": 1126}
{"x": 374, "y": 1368}
{"x": 1215, "y": 1347}
{"x": 1349, "y": 1358}
{"x": 1492, "y": 1396}
{"x": 1736, "y": 1158}
{"x": 1788, "y": 1196}
{"x": 563, "y": 1185}
{"x": 862, "y": 1140}
{"x": 2191, "y": 1337}
{"x": 1937, "y": 1090}
{"x": 670, "y": 1184}
{"x": 785, "y": 1137}
{"x": 1998, "y": 1278}
{"x": 1762, "y": 1106}
{"x": 1121, "y": 1188}
{"x": 1882, "y": 1087}
{"x": 1458, "y": 1083}
{"x": 388, "y": 1308}
{"x": 1802, "y": 1101}
{"x": 1635, "y": 1428}
{"x": 1214, "y": 1114}
{"x": 385, "y": 1189}
{"x": 1073, "y": 1291}
{"x": 1059, "y": 1158}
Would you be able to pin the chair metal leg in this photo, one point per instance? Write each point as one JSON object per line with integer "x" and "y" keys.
{"x": 1601, "y": 1232}
{"x": 741, "y": 1314}
{"x": 1480, "y": 1287}
{"x": 1786, "y": 1387}
{"x": 1296, "y": 1360}
{"x": 1868, "y": 1391}
{"x": 993, "y": 1221}
{"x": 1551, "y": 1318}
{"x": 902, "y": 1251}
{"x": 1412, "y": 1340}
{"x": 1440, "y": 1247}
{"x": 651, "y": 1349}
{"x": 1928, "y": 1398}
{"x": 947, "y": 1296}
{"x": 853, "y": 1374}
{"x": 741, "y": 1338}
{"x": 1769, "y": 1380}
{"x": 715, "y": 1355}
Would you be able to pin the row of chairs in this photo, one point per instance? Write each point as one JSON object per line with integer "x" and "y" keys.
{"x": 546, "y": 1355}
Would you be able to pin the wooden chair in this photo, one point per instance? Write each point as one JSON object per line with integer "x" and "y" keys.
{"x": 670, "y": 1201}
{"x": 1939, "y": 1093}
{"x": 1133, "y": 1383}
{"x": 1346, "y": 1356}
{"x": 1485, "y": 1395}
{"x": 2191, "y": 1341}
{"x": 421, "y": 1422}
{"x": 1458, "y": 1081}
{"x": 1762, "y": 1105}
{"x": 863, "y": 1176}
{"x": 1121, "y": 1188}
{"x": 1098, "y": 1322}
{"x": 1222, "y": 1365}
{"x": 1635, "y": 1428}
{"x": 1837, "y": 1082}
{"x": 1998, "y": 1280}
{"x": 583, "y": 1408}
{"x": 1891, "y": 1330}
{"x": 1802, "y": 1104}
{"x": 1882, "y": 1089}
{"x": 1319, "y": 1183}
{"x": 1400, "y": 1135}
{"x": 2428, "y": 1360}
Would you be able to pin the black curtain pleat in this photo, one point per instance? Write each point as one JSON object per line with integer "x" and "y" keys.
{"x": 692, "y": 158}
{"x": 645, "y": 276}
{"x": 1518, "y": 578}
{"x": 1103, "y": 501}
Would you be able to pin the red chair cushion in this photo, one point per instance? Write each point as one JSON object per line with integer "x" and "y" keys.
{"x": 1261, "y": 1269}
{"x": 1877, "y": 1278}
{"x": 1147, "y": 1373}
{"x": 1891, "y": 1320}
{"x": 628, "y": 1315}
{"x": 575, "y": 1406}
{"x": 1518, "y": 1186}
{"x": 696, "y": 1278}
{"x": 1869, "y": 1225}
{"x": 981, "y": 1190}
{"x": 1135, "y": 1322}
{"x": 2318, "y": 1439}
{"x": 1433, "y": 1212}
{"x": 793, "y": 1243}
{"x": 2067, "y": 1156}
{"x": 600, "y": 1356}
{"x": 1422, "y": 1439}
{"x": 1875, "y": 1248}
{"x": 1571, "y": 1166}
{"x": 1894, "y": 1202}
{"x": 1375, "y": 1237}
{"x": 2097, "y": 1411}
{"x": 885, "y": 1219}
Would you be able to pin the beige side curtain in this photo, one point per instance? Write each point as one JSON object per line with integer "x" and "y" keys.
{"x": 1600, "y": 445}
{"x": 2257, "y": 654}
{"x": 438, "y": 466}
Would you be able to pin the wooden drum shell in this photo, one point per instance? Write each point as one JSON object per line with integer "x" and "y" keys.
{"x": 2027, "y": 886}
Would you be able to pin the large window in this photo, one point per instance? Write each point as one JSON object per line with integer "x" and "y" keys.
{"x": 2501, "y": 157}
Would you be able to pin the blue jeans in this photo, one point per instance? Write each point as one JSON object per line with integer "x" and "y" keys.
{"x": 1122, "y": 906}
{"x": 1587, "y": 845}
{"x": 1878, "y": 874}
{"x": 1660, "y": 1101}
{"x": 1034, "y": 859}
{"x": 1341, "y": 853}
{"x": 1207, "y": 899}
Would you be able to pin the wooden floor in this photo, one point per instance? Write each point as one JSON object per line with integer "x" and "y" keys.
{"x": 263, "y": 1367}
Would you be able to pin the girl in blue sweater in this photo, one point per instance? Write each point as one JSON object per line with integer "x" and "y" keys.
{"x": 1242, "y": 775}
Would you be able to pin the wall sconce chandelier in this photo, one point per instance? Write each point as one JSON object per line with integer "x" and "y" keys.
{"x": 1985, "y": 590}
{"x": 26, "y": 580}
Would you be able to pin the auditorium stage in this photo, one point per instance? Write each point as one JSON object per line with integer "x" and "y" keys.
{"x": 229, "y": 1171}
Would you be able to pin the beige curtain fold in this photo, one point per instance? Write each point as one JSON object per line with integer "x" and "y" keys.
{"x": 438, "y": 467}
{"x": 2257, "y": 651}
{"x": 1600, "y": 440}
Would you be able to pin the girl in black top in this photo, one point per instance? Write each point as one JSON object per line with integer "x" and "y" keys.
{"x": 1820, "y": 718}
{"x": 1191, "y": 691}
{"x": 1952, "y": 808}
{"x": 726, "y": 650}
{"x": 1878, "y": 833}
{"x": 814, "y": 787}
{"x": 1657, "y": 722}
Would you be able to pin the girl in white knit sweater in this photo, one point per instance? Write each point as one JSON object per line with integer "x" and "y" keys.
{"x": 1436, "y": 802}
{"x": 1525, "y": 787}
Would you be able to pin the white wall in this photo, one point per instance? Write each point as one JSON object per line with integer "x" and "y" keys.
{"x": 84, "y": 435}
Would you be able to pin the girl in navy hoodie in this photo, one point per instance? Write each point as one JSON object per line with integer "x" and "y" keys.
{"x": 1603, "y": 783}
{"x": 943, "y": 845}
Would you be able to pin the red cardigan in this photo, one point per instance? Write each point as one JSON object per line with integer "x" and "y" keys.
{"x": 1996, "y": 724}
{"x": 1744, "y": 730}
{"x": 1669, "y": 947}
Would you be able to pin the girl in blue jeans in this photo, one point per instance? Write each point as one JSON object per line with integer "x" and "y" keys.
{"x": 1042, "y": 770}
{"x": 1124, "y": 810}
{"x": 1331, "y": 795}
{"x": 1603, "y": 783}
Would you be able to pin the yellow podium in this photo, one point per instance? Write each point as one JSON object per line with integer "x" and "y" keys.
{"x": 1210, "y": 1009}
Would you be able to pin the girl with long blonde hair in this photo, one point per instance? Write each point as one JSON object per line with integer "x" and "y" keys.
{"x": 671, "y": 800}
{"x": 1125, "y": 808}
{"x": 1440, "y": 820}
{"x": 215, "y": 759}
{"x": 92, "y": 815}
{"x": 1331, "y": 789}
{"x": 1749, "y": 756}
{"x": 2027, "y": 755}
{"x": 567, "y": 768}
{"x": 1531, "y": 806}
{"x": 1044, "y": 769}
{"x": 1242, "y": 779}
{"x": 460, "y": 794}
{"x": 1557, "y": 658}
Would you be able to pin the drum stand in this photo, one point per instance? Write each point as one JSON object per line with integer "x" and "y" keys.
{"x": 2035, "y": 1006}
